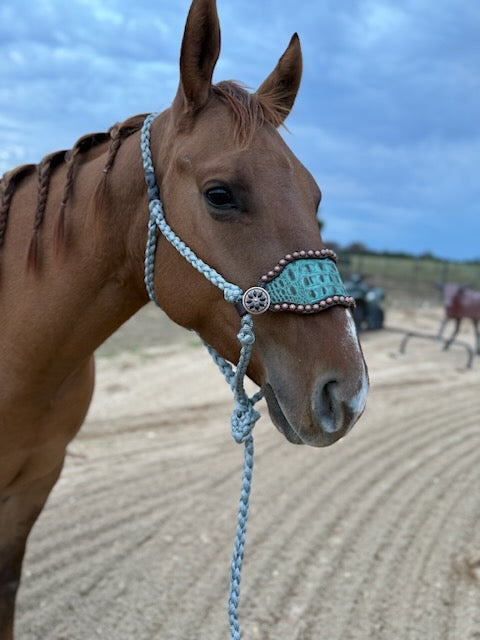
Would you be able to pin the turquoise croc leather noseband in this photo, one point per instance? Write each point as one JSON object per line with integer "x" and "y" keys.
{"x": 301, "y": 282}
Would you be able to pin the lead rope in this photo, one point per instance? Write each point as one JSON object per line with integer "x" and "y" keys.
{"x": 244, "y": 415}
{"x": 243, "y": 420}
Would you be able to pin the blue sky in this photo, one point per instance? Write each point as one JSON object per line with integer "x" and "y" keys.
{"x": 387, "y": 118}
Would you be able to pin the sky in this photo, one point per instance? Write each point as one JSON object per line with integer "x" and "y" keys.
{"x": 387, "y": 118}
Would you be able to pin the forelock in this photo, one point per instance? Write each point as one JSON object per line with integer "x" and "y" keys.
{"x": 250, "y": 110}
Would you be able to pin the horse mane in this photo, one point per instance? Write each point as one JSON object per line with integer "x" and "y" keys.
{"x": 118, "y": 133}
{"x": 45, "y": 169}
{"x": 8, "y": 184}
{"x": 250, "y": 111}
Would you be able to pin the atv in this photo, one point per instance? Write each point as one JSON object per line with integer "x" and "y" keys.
{"x": 368, "y": 313}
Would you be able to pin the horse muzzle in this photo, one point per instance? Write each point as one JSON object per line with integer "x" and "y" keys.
{"x": 315, "y": 378}
{"x": 333, "y": 411}
{"x": 318, "y": 402}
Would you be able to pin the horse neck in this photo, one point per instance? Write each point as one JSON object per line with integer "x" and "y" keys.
{"x": 83, "y": 292}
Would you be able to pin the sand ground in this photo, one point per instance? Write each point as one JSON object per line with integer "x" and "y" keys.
{"x": 375, "y": 538}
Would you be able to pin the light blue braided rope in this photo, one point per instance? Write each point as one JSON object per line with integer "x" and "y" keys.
{"x": 244, "y": 415}
{"x": 243, "y": 420}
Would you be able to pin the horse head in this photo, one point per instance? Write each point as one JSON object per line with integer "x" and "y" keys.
{"x": 235, "y": 193}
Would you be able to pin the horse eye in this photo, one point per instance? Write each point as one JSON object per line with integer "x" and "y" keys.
{"x": 220, "y": 198}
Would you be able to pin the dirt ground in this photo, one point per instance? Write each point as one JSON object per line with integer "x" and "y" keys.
{"x": 377, "y": 537}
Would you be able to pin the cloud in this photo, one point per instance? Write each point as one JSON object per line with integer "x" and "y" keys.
{"x": 386, "y": 118}
{"x": 76, "y": 67}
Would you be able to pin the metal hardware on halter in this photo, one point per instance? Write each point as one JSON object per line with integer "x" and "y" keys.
{"x": 256, "y": 300}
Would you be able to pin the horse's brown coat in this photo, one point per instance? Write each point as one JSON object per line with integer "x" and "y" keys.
{"x": 72, "y": 238}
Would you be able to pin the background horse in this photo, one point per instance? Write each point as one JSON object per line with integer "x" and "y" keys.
{"x": 72, "y": 237}
{"x": 460, "y": 302}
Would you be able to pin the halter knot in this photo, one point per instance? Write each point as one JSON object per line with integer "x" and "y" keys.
{"x": 243, "y": 420}
{"x": 153, "y": 193}
{"x": 245, "y": 335}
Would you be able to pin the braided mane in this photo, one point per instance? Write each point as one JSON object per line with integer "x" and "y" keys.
{"x": 8, "y": 184}
{"x": 45, "y": 169}
{"x": 250, "y": 111}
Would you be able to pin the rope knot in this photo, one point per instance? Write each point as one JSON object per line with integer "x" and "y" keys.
{"x": 243, "y": 420}
{"x": 246, "y": 335}
{"x": 152, "y": 187}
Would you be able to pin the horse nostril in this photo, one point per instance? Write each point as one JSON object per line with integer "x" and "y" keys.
{"x": 326, "y": 395}
{"x": 329, "y": 409}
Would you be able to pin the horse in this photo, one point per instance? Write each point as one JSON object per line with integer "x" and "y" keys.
{"x": 72, "y": 242}
{"x": 460, "y": 302}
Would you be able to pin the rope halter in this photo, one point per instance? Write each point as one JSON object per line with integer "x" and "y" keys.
{"x": 302, "y": 282}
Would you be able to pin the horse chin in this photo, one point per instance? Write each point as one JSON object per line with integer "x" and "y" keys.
{"x": 278, "y": 417}
{"x": 321, "y": 436}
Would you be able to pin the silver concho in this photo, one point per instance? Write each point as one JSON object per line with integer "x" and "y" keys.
{"x": 256, "y": 300}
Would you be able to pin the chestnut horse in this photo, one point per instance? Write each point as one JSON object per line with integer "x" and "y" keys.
{"x": 72, "y": 237}
{"x": 460, "y": 302}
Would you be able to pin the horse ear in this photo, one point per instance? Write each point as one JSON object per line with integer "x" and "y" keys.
{"x": 198, "y": 56}
{"x": 281, "y": 86}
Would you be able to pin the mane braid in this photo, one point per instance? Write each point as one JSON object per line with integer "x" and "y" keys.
{"x": 118, "y": 133}
{"x": 9, "y": 183}
{"x": 5, "y": 198}
{"x": 114, "y": 146}
{"x": 85, "y": 143}
{"x": 45, "y": 169}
